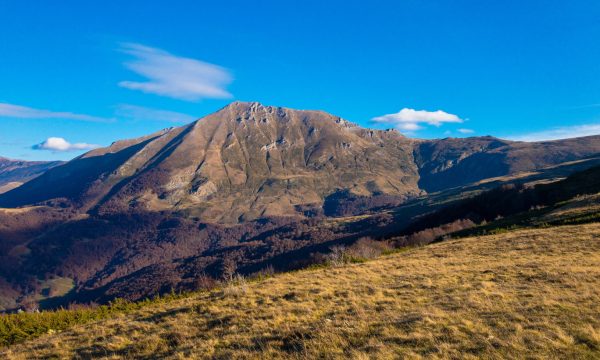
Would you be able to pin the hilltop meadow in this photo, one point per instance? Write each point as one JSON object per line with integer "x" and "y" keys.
{"x": 532, "y": 293}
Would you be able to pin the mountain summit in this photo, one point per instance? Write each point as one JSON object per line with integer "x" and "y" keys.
{"x": 249, "y": 161}
{"x": 242, "y": 162}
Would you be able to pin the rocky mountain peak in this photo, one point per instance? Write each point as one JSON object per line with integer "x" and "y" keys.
{"x": 248, "y": 161}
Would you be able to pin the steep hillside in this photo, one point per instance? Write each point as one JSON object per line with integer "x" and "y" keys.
{"x": 523, "y": 204}
{"x": 525, "y": 294}
{"x": 448, "y": 163}
{"x": 244, "y": 162}
{"x": 13, "y": 173}
{"x": 139, "y": 255}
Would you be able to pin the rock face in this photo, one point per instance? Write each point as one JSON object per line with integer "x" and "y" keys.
{"x": 244, "y": 162}
{"x": 250, "y": 161}
{"x": 13, "y": 173}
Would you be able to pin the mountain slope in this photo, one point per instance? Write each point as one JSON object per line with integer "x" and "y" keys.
{"x": 516, "y": 201}
{"x": 452, "y": 162}
{"x": 243, "y": 162}
{"x": 261, "y": 187}
{"x": 249, "y": 161}
{"x": 525, "y": 294}
{"x": 13, "y": 173}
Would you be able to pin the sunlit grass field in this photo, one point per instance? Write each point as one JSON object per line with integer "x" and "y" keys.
{"x": 523, "y": 294}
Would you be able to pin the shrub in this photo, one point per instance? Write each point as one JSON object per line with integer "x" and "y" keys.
{"x": 228, "y": 268}
{"x": 366, "y": 248}
{"x": 204, "y": 282}
{"x": 236, "y": 286}
{"x": 263, "y": 273}
{"x": 336, "y": 255}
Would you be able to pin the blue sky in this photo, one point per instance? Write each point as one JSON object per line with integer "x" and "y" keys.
{"x": 74, "y": 74}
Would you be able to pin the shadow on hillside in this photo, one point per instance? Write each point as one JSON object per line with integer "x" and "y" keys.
{"x": 68, "y": 180}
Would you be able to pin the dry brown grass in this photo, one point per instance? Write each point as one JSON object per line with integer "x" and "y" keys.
{"x": 525, "y": 294}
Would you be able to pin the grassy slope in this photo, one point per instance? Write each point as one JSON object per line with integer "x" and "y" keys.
{"x": 529, "y": 293}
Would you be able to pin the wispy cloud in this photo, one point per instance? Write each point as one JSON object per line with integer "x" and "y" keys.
{"x": 585, "y": 106}
{"x": 141, "y": 113}
{"x": 60, "y": 144}
{"x": 466, "y": 131}
{"x": 24, "y": 112}
{"x": 174, "y": 76}
{"x": 563, "y": 132}
{"x": 411, "y": 119}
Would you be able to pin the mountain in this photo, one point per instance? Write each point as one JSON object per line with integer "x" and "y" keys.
{"x": 244, "y": 162}
{"x": 249, "y": 161}
{"x": 572, "y": 200}
{"x": 13, "y": 173}
{"x": 250, "y": 187}
{"x": 453, "y": 162}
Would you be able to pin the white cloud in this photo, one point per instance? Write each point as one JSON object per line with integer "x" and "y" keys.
{"x": 135, "y": 112}
{"x": 23, "y": 112}
{"x": 410, "y": 119}
{"x": 60, "y": 144}
{"x": 466, "y": 131}
{"x": 174, "y": 76}
{"x": 563, "y": 132}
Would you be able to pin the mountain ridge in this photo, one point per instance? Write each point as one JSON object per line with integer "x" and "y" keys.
{"x": 244, "y": 147}
{"x": 13, "y": 173}
{"x": 260, "y": 187}
{"x": 248, "y": 161}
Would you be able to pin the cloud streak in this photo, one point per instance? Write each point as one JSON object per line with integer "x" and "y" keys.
{"x": 62, "y": 145}
{"x": 140, "y": 113}
{"x": 174, "y": 76}
{"x": 563, "y": 132}
{"x": 412, "y": 120}
{"x": 466, "y": 131}
{"x": 24, "y": 112}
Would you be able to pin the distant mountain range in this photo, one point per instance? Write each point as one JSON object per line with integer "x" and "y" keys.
{"x": 13, "y": 173}
{"x": 256, "y": 185}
